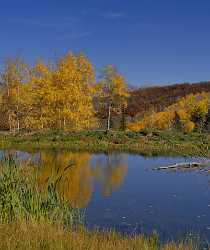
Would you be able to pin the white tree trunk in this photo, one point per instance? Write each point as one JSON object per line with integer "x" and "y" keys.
{"x": 109, "y": 118}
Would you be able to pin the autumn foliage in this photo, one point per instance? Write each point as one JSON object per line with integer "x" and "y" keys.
{"x": 59, "y": 95}
{"x": 187, "y": 113}
{"x": 55, "y": 96}
{"x": 157, "y": 98}
{"x": 64, "y": 95}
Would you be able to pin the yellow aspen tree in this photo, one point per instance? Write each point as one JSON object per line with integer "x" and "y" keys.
{"x": 40, "y": 98}
{"x": 13, "y": 79}
{"x": 71, "y": 82}
{"x": 113, "y": 92}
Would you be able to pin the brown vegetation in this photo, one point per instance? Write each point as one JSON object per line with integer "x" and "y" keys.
{"x": 33, "y": 235}
{"x": 157, "y": 98}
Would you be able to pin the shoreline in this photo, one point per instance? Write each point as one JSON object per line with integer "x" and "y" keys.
{"x": 152, "y": 144}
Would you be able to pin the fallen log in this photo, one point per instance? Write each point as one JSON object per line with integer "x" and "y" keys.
{"x": 185, "y": 165}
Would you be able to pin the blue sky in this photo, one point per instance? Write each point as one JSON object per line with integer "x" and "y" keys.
{"x": 149, "y": 41}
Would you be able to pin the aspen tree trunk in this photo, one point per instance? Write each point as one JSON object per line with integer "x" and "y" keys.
{"x": 64, "y": 123}
{"x": 59, "y": 118}
{"x": 18, "y": 96}
{"x": 123, "y": 119}
{"x": 109, "y": 118}
{"x": 17, "y": 118}
{"x": 18, "y": 125}
{"x": 10, "y": 125}
{"x": 109, "y": 109}
{"x": 42, "y": 125}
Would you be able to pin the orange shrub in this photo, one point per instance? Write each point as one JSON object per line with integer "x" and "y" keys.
{"x": 164, "y": 120}
{"x": 136, "y": 127}
{"x": 188, "y": 127}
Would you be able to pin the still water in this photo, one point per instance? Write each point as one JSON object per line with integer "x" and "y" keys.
{"x": 122, "y": 192}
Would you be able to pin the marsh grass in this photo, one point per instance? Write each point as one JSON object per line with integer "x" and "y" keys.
{"x": 22, "y": 199}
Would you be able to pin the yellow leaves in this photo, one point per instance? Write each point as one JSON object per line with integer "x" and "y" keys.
{"x": 183, "y": 115}
{"x": 112, "y": 93}
{"x": 136, "y": 127}
{"x": 188, "y": 126}
{"x": 57, "y": 97}
{"x": 164, "y": 120}
{"x": 13, "y": 81}
{"x": 113, "y": 85}
{"x": 161, "y": 120}
{"x": 186, "y": 110}
{"x": 195, "y": 105}
{"x": 40, "y": 70}
{"x": 118, "y": 86}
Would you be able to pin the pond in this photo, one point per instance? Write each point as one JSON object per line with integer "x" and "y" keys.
{"x": 123, "y": 192}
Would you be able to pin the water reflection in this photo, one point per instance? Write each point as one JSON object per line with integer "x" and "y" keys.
{"x": 71, "y": 172}
{"x": 75, "y": 173}
{"x": 110, "y": 173}
{"x": 172, "y": 203}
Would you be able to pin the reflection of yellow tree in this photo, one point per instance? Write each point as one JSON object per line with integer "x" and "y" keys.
{"x": 72, "y": 174}
{"x": 111, "y": 173}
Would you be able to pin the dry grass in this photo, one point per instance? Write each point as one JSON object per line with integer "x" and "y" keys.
{"x": 43, "y": 235}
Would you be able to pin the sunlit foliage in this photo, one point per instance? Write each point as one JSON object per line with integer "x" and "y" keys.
{"x": 13, "y": 80}
{"x": 55, "y": 96}
{"x": 157, "y": 98}
{"x": 64, "y": 95}
{"x": 112, "y": 94}
{"x": 187, "y": 113}
{"x": 188, "y": 127}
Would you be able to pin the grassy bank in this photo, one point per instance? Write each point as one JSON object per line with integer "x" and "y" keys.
{"x": 33, "y": 235}
{"x": 31, "y": 218}
{"x": 146, "y": 143}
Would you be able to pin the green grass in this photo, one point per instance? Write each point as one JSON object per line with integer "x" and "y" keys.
{"x": 145, "y": 143}
{"x": 22, "y": 199}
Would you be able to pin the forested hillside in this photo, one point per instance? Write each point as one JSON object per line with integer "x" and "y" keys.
{"x": 159, "y": 97}
{"x": 187, "y": 114}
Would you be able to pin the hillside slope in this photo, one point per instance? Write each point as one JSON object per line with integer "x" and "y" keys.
{"x": 159, "y": 97}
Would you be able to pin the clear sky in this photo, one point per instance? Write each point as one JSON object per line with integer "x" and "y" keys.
{"x": 149, "y": 41}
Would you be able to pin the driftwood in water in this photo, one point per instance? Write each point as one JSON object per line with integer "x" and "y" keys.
{"x": 184, "y": 165}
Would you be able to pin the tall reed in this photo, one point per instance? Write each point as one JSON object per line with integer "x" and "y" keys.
{"x": 21, "y": 198}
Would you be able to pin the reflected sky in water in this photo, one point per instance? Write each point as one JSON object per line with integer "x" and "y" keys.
{"x": 122, "y": 192}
